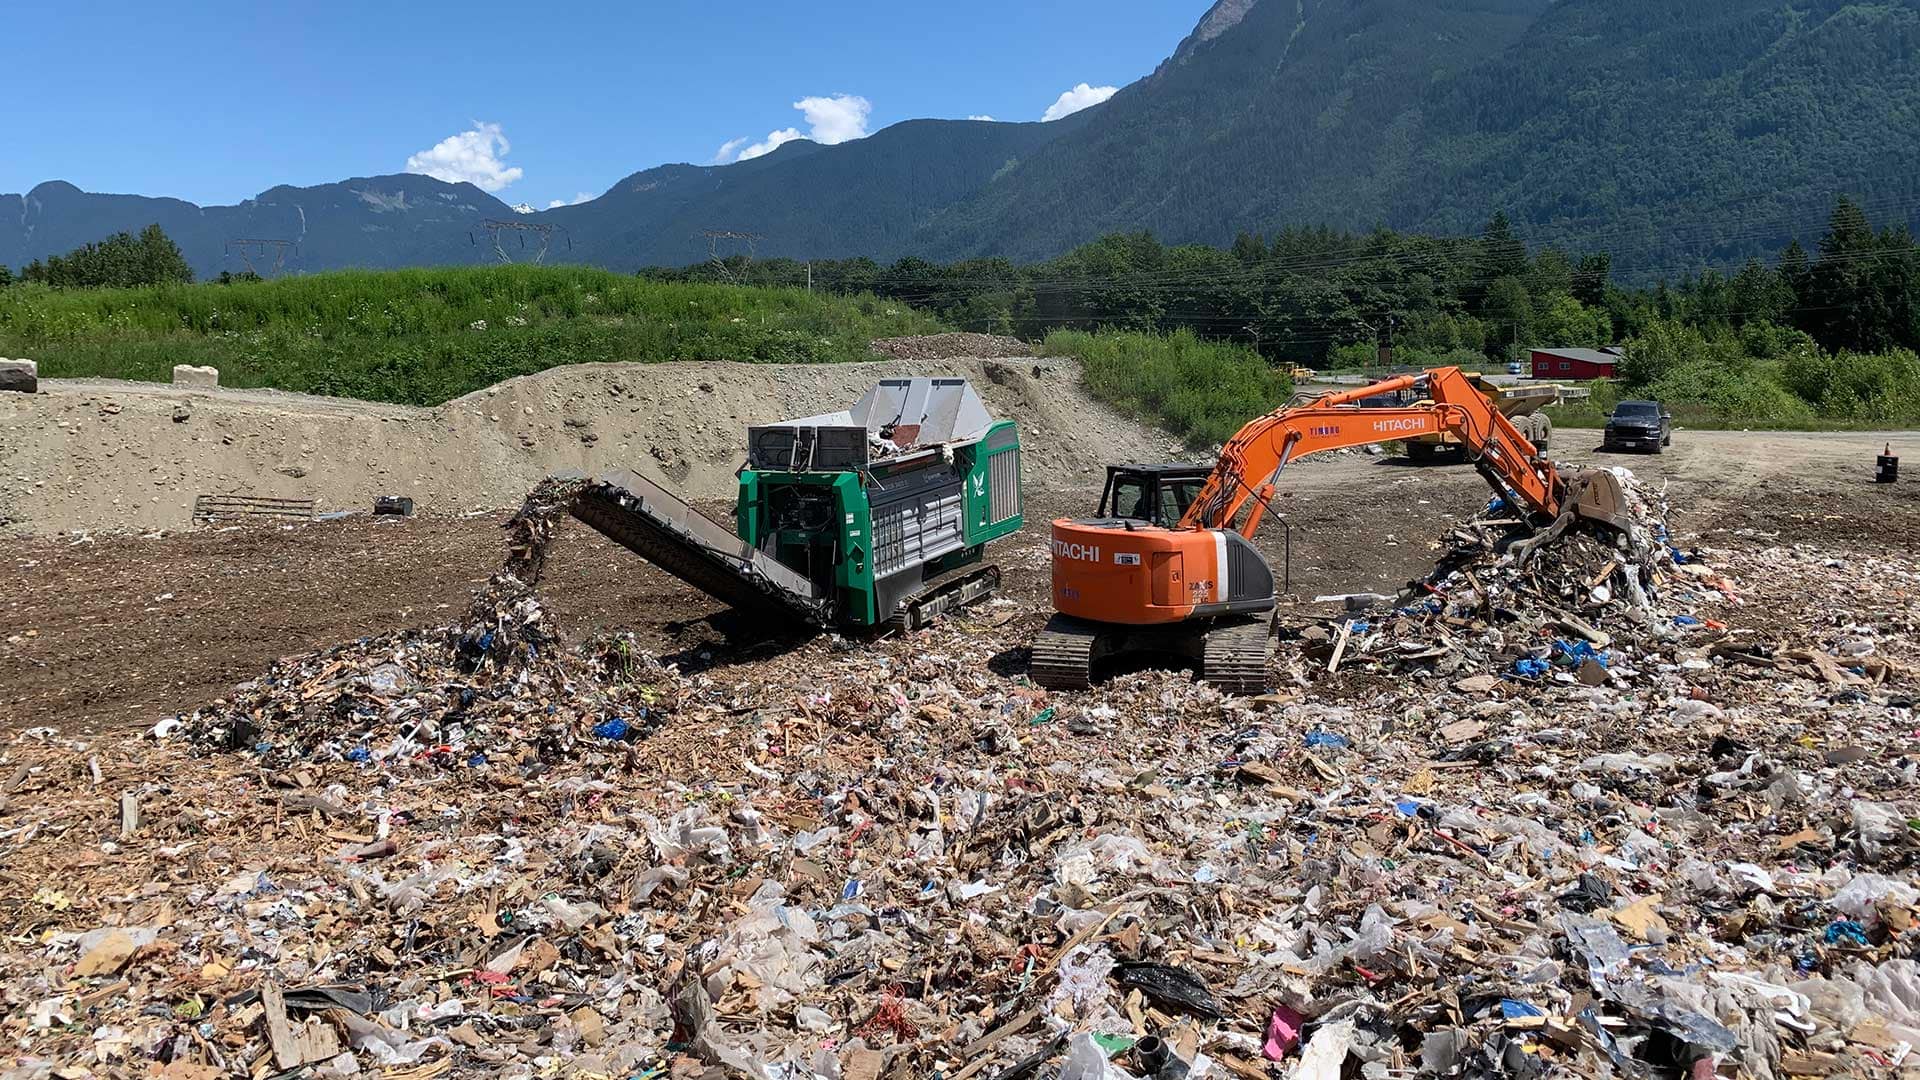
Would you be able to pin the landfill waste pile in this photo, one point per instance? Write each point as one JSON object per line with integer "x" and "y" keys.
{"x": 1579, "y": 602}
{"x": 478, "y": 850}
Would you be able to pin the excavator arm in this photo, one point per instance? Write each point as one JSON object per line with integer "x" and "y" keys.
{"x": 1249, "y": 469}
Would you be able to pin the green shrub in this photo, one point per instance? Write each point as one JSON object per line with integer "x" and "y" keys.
{"x": 1742, "y": 391}
{"x": 1867, "y": 388}
{"x": 1765, "y": 375}
{"x": 1201, "y": 391}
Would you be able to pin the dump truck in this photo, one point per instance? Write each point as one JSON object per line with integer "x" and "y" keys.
{"x": 875, "y": 516}
{"x": 1521, "y": 405}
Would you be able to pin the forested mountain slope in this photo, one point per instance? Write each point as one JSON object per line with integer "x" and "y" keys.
{"x": 1669, "y": 134}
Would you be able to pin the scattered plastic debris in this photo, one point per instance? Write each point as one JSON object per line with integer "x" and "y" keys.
{"x": 483, "y": 850}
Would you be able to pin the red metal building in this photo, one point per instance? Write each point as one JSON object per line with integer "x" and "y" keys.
{"x": 1574, "y": 363}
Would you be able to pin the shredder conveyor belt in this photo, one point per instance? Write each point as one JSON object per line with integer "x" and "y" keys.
{"x": 662, "y": 528}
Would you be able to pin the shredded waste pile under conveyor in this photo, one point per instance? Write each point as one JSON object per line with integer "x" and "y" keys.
{"x": 1602, "y": 806}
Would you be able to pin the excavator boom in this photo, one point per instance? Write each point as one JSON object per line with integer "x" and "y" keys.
{"x": 1246, "y": 477}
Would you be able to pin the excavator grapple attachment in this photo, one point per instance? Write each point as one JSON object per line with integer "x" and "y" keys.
{"x": 1597, "y": 497}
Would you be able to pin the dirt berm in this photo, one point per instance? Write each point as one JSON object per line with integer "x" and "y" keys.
{"x": 109, "y": 455}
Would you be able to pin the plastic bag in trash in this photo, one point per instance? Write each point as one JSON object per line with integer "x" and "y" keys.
{"x": 1326, "y": 1053}
{"x": 1877, "y": 827}
{"x": 1083, "y": 979}
{"x": 1121, "y": 852}
{"x": 1087, "y": 1061}
{"x": 1167, "y": 985}
{"x": 1860, "y": 896}
{"x": 1375, "y": 938}
{"x": 688, "y": 834}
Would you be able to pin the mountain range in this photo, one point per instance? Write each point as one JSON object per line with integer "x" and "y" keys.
{"x": 1674, "y": 135}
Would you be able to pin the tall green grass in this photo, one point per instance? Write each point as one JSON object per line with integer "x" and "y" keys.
{"x": 1199, "y": 390}
{"x": 420, "y": 337}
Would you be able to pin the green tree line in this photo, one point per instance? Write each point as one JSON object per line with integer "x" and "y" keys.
{"x": 1298, "y": 296}
{"x": 121, "y": 261}
{"x": 1829, "y": 334}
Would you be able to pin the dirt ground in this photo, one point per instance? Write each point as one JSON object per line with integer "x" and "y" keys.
{"x": 104, "y": 456}
{"x": 113, "y": 632}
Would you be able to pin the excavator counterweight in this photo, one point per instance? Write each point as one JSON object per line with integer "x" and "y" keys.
{"x": 1136, "y": 579}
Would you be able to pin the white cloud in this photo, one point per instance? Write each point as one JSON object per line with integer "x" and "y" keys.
{"x": 584, "y": 196}
{"x": 1080, "y": 97}
{"x": 830, "y": 121}
{"x": 837, "y": 119}
{"x": 982, "y": 116}
{"x": 472, "y": 156}
{"x": 774, "y": 141}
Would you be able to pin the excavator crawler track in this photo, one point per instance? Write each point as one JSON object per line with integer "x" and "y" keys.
{"x": 1236, "y": 656}
{"x": 945, "y": 594}
{"x": 1063, "y": 654}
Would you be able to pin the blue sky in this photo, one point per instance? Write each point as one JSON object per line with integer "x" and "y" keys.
{"x": 216, "y": 101}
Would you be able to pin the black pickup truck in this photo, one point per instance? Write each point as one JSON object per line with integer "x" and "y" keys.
{"x": 1638, "y": 425}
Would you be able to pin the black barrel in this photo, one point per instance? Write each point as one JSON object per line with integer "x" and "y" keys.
{"x": 1886, "y": 469}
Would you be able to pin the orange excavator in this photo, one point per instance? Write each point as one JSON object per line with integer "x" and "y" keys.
{"x": 1168, "y": 566}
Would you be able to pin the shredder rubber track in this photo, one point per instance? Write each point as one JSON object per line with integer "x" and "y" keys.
{"x": 958, "y": 589}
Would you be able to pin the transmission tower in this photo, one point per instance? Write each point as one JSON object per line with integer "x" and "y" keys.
{"x": 714, "y": 236}
{"x": 542, "y": 231}
{"x": 249, "y": 248}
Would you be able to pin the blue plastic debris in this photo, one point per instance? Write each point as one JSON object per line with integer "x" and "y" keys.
{"x": 614, "y": 728}
{"x": 1328, "y": 738}
{"x": 1530, "y": 668}
{"x": 360, "y": 754}
{"x": 1846, "y": 930}
{"x": 1514, "y": 1010}
{"x": 1407, "y": 808}
{"x": 1685, "y": 620}
{"x": 477, "y": 760}
{"x": 1578, "y": 652}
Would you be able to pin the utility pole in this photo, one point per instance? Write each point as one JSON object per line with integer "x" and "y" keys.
{"x": 1385, "y": 355}
{"x": 809, "y": 275}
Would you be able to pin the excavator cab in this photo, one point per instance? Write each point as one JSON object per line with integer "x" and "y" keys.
{"x": 1151, "y": 494}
